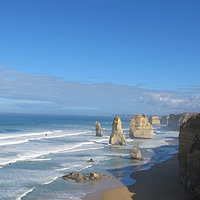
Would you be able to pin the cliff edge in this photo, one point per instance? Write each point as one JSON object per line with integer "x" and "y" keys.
{"x": 189, "y": 156}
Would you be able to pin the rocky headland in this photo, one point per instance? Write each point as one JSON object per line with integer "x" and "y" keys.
{"x": 189, "y": 156}
{"x": 176, "y": 120}
{"x": 117, "y": 136}
{"x": 140, "y": 127}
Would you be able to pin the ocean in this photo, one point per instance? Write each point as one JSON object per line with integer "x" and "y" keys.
{"x": 37, "y": 150}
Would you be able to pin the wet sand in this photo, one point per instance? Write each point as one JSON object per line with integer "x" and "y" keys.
{"x": 159, "y": 182}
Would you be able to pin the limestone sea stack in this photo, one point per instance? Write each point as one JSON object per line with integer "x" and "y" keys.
{"x": 140, "y": 127}
{"x": 189, "y": 156}
{"x": 154, "y": 120}
{"x": 117, "y": 136}
{"x": 98, "y": 129}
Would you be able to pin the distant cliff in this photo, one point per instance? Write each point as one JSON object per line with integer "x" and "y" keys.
{"x": 164, "y": 119}
{"x": 176, "y": 120}
{"x": 154, "y": 120}
{"x": 189, "y": 156}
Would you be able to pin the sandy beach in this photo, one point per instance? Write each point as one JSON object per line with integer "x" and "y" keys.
{"x": 159, "y": 182}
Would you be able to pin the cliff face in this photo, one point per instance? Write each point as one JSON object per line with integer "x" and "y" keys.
{"x": 154, "y": 120}
{"x": 176, "y": 120}
{"x": 164, "y": 119}
{"x": 189, "y": 155}
{"x": 117, "y": 137}
{"x": 140, "y": 127}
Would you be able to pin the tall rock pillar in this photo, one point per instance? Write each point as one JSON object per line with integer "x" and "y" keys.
{"x": 117, "y": 136}
{"x": 98, "y": 129}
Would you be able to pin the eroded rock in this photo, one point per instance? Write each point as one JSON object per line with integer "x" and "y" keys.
{"x": 117, "y": 136}
{"x": 99, "y": 131}
{"x": 94, "y": 176}
{"x": 154, "y": 120}
{"x": 76, "y": 176}
{"x": 135, "y": 153}
{"x": 140, "y": 127}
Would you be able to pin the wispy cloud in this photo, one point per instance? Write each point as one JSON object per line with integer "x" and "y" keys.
{"x": 49, "y": 92}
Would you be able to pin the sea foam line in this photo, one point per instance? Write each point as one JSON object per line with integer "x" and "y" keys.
{"x": 28, "y": 157}
{"x": 25, "y": 135}
{"x": 36, "y": 139}
{"x": 24, "y": 194}
{"x": 49, "y": 182}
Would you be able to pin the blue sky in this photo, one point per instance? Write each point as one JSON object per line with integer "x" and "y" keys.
{"x": 100, "y": 56}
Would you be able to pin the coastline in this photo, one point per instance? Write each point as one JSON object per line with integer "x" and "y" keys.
{"x": 159, "y": 182}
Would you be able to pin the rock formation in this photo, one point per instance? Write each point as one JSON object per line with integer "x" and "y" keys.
{"x": 176, "y": 120}
{"x": 79, "y": 178}
{"x": 154, "y": 120}
{"x": 164, "y": 119}
{"x": 135, "y": 153}
{"x": 94, "y": 176}
{"x": 189, "y": 156}
{"x": 91, "y": 160}
{"x": 140, "y": 127}
{"x": 98, "y": 129}
{"x": 76, "y": 176}
{"x": 117, "y": 137}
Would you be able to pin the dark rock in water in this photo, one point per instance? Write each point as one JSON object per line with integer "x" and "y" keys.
{"x": 189, "y": 156}
{"x": 91, "y": 160}
{"x": 135, "y": 153}
{"x": 76, "y": 176}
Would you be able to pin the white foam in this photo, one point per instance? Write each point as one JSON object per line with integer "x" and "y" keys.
{"x": 32, "y": 155}
{"x": 44, "y": 135}
{"x": 24, "y": 194}
{"x": 153, "y": 144}
{"x": 13, "y": 142}
{"x": 36, "y": 160}
{"x": 49, "y": 182}
{"x": 24, "y": 135}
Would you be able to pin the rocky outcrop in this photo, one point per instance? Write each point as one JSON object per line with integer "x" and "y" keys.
{"x": 91, "y": 160}
{"x": 79, "y": 178}
{"x": 135, "y": 153}
{"x": 76, "y": 176}
{"x": 154, "y": 120}
{"x": 117, "y": 136}
{"x": 176, "y": 120}
{"x": 189, "y": 156}
{"x": 164, "y": 119}
{"x": 140, "y": 127}
{"x": 94, "y": 176}
{"x": 98, "y": 129}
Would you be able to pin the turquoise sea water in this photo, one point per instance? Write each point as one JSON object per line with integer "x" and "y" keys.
{"x": 36, "y": 150}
